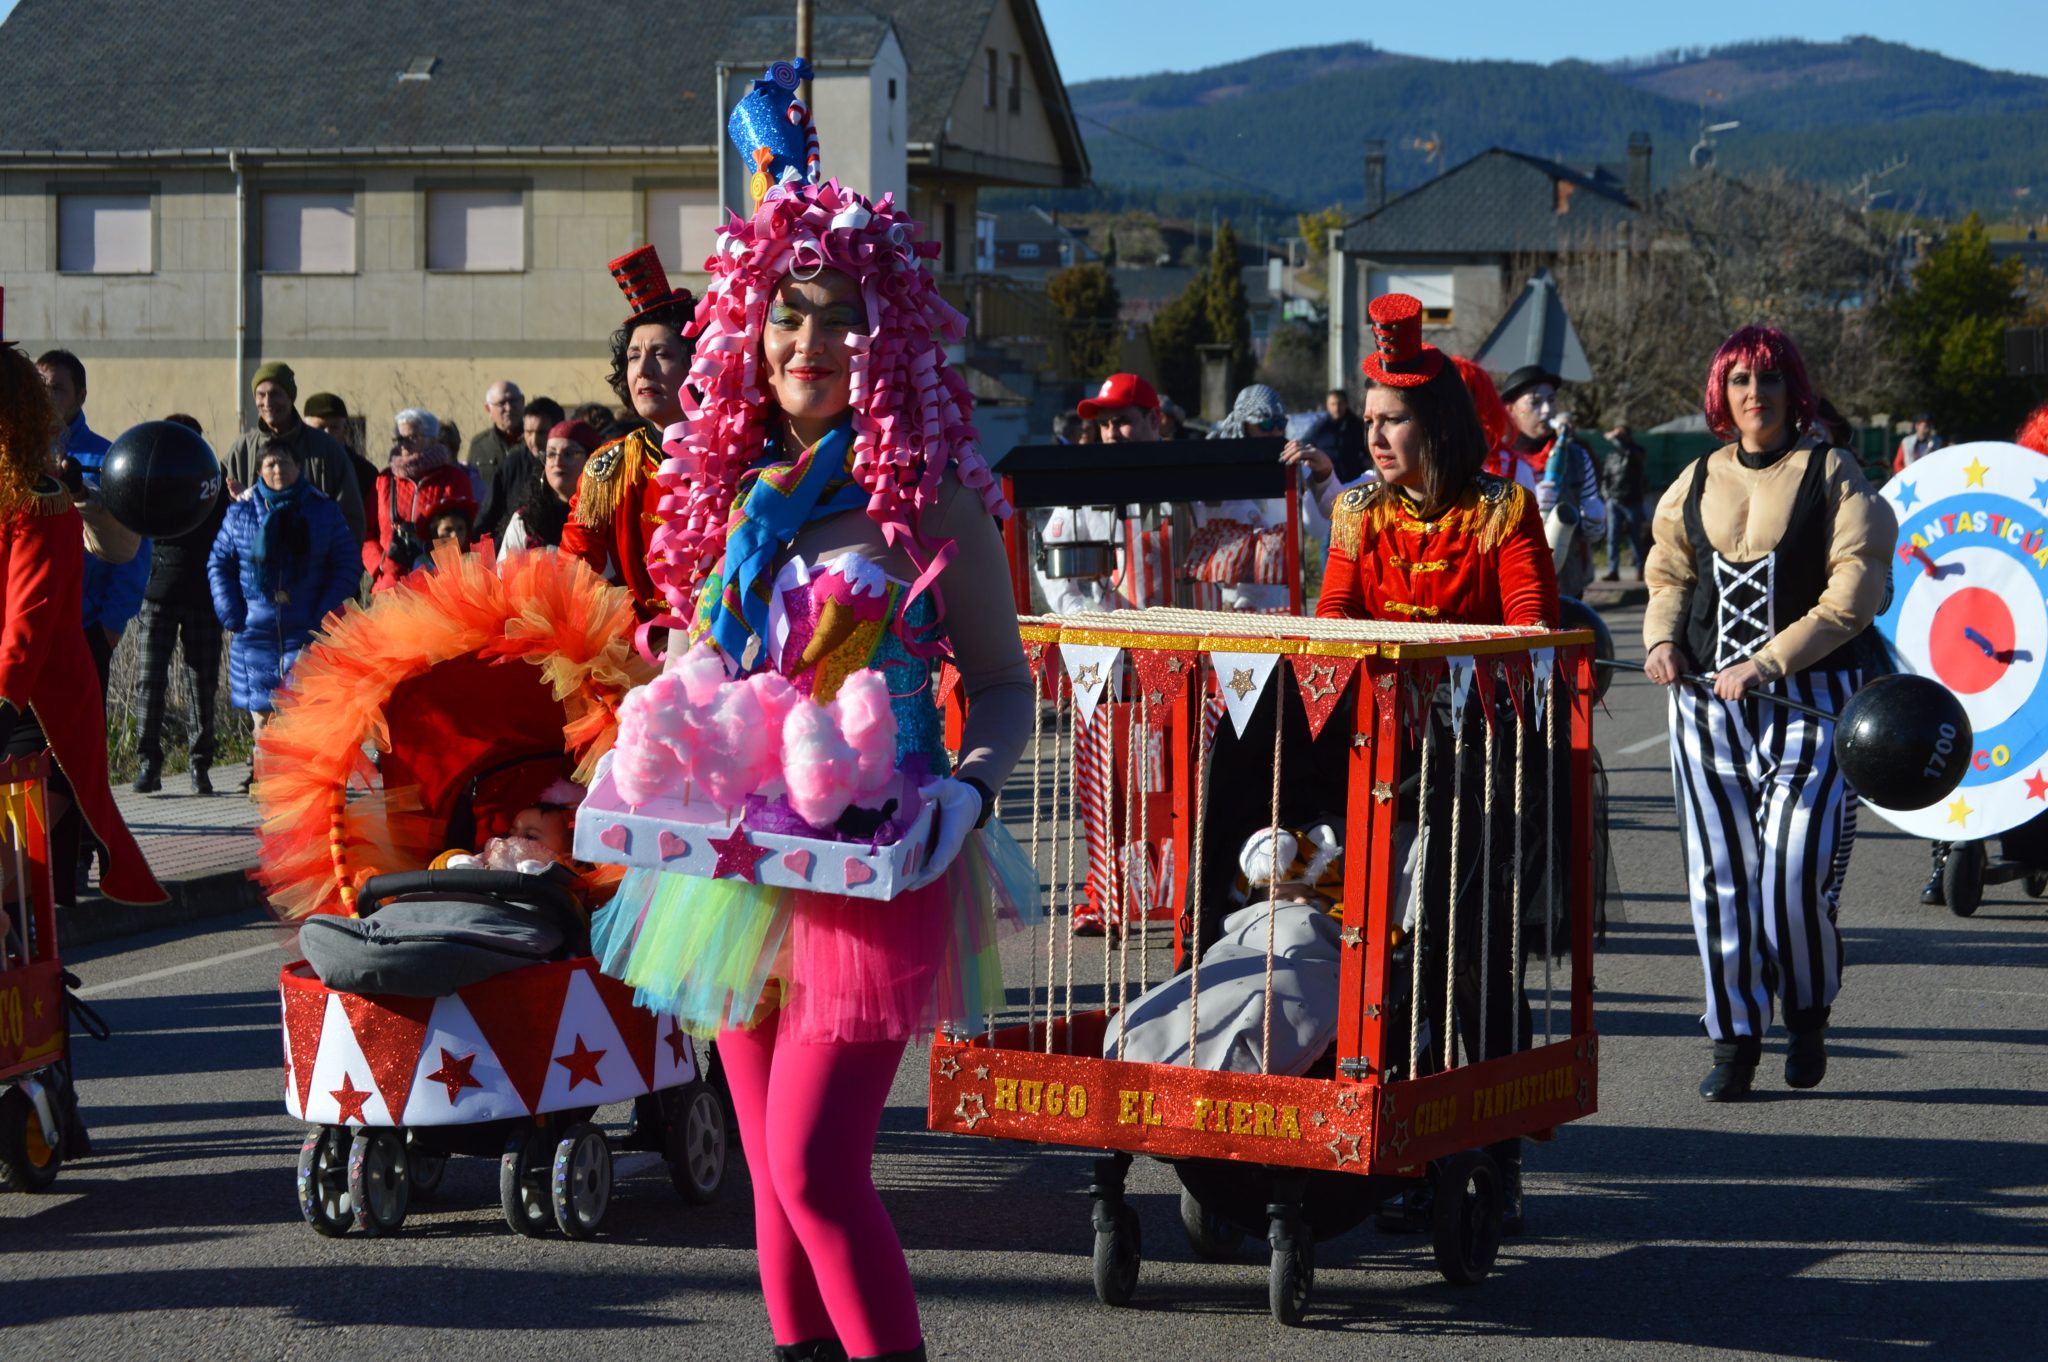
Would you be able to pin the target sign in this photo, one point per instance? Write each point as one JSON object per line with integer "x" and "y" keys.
{"x": 1969, "y": 608}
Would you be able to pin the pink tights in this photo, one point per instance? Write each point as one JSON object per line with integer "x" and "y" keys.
{"x": 831, "y": 1264}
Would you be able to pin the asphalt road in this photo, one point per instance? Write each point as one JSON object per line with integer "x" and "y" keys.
{"x": 1901, "y": 1211}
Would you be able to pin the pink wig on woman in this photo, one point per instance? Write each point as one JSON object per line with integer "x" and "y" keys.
{"x": 1758, "y": 349}
{"x": 911, "y": 413}
{"x": 1493, "y": 413}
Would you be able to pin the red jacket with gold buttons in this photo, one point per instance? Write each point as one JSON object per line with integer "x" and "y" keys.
{"x": 1483, "y": 561}
{"x": 613, "y": 515}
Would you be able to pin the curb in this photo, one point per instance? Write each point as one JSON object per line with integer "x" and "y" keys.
{"x": 223, "y": 893}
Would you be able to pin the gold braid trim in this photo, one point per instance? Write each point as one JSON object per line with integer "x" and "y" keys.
{"x": 1347, "y": 520}
{"x": 49, "y": 498}
{"x": 612, "y": 478}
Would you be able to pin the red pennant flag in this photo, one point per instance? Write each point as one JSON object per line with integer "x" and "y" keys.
{"x": 1322, "y": 681}
{"x": 390, "y": 1029}
{"x": 949, "y": 681}
{"x": 305, "y": 1012}
{"x": 1162, "y": 679}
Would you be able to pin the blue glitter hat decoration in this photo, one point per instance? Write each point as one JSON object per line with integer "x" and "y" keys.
{"x": 773, "y": 129}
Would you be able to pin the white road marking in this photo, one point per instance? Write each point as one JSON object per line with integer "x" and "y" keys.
{"x": 186, "y": 968}
{"x": 1643, "y": 746}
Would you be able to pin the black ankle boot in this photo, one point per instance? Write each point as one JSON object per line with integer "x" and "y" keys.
{"x": 1932, "y": 894}
{"x": 150, "y": 778}
{"x": 1806, "y": 1059}
{"x": 816, "y": 1350}
{"x": 1734, "y": 1070}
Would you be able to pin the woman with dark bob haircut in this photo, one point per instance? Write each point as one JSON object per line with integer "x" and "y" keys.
{"x": 1769, "y": 558}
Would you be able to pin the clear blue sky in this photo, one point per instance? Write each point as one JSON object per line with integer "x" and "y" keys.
{"x": 1097, "y": 38}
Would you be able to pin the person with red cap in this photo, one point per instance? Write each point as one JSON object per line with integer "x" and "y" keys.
{"x": 1125, "y": 411}
{"x": 616, "y": 505}
{"x": 544, "y": 513}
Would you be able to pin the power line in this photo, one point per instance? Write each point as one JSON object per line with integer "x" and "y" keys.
{"x": 1174, "y": 156}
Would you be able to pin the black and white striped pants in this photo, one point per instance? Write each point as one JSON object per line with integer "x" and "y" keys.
{"x": 1768, "y": 823}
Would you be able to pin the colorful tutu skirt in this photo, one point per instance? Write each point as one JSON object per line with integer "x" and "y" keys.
{"x": 712, "y": 953}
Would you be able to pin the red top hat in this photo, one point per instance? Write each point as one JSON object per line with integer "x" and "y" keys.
{"x": 645, "y": 283}
{"x": 1402, "y": 361}
{"x": 1119, "y": 390}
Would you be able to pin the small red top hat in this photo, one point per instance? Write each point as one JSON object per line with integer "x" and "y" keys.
{"x": 1119, "y": 391}
{"x": 1402, "y": 360}
{"x": 645, "y": 283}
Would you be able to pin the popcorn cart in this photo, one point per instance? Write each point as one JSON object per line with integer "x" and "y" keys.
{"x": 1459, "y": 1006}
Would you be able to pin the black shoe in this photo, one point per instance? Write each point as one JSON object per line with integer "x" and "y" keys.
{"x": 202, "y": 783}
{"x": 1933, "y": 895}
{"x": 1734, "y": 1069}
{"x": 1806, "y": 1062}
{"x": 1408, "y": 1213}
{"x": 816, "y": 1350}
{"x": 1611, "y": 575}
{"x": 149, "y": 779}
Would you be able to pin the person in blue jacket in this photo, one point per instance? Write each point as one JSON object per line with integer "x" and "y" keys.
{"x": 113, "y": 590}
{"x": 284, "y": 560}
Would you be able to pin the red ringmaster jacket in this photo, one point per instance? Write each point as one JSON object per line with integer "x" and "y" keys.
{"x": 1484, "y": 561}
{"x": 46, "y": 666}
{"x": 612, "y": 516}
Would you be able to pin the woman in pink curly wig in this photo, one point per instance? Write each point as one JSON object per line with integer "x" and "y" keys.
{"x": 823, "y": 498}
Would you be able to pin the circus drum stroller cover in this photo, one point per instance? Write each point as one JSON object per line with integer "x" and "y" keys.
{"x": 451, "y": 1006}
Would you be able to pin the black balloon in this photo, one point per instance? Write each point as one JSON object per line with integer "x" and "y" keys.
{"x": 1903, "y": 742}
{"x": 160, "y": 479}
{"x": 1574, "y": 613}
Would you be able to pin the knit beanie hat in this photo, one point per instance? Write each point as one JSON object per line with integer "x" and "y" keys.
{"x": 320, "y": 406}
{"x": 278, "y": 372}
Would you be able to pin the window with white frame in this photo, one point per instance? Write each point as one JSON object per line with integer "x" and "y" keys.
{"x": 682, "y": 226}
{"x": 1431, "y": 288}
{"x": 473, "y": 230}
{"x": 309, "y": 232}
{"x": 105, "y": 234}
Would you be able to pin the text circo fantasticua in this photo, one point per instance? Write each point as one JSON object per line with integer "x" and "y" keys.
{"x": 1969, "y": 608}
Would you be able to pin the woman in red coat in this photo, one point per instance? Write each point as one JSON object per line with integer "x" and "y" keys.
{"x": 1437, "y": 541}
{"x": 1434, "y": 540}
{"x": 45, "y": 665}
{"x": 422, "y": 480}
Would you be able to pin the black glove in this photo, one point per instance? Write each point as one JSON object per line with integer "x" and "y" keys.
{"x": 71, "y": 473}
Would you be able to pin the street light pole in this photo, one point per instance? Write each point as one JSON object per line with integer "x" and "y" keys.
{"x": 803, "y": 43}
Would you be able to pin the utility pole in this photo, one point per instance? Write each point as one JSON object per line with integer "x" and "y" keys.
{"x": 803, "y": 44}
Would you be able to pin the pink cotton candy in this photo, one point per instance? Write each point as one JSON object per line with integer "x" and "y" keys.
{"x": 818, "y": 765}
{"x": 776, "y": 698}
{"x": 733, "y": 757}
{"x": 864, "y": 719}
{"x": 700, "y": 672}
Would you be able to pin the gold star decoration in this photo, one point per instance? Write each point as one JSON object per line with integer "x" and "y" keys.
{"x": 972, "y": 1111}
{"x": 1959, "y": 811}
{"x": 1322, "y": 681}
{"x": 1344, "y": 1148}
{"x": 1089, "y": 677}
{"x": 1397, "y": 1138}
{"x": 1316, "y": 1118}
{"x": 1585, "y": 1095}
{"x": 1176, "y": 664}
{"x": 1382, "y": 792}
{"x": 1241, "y": 683}
{"x": 1974, "y": 473}
{"x": 949, "y": 1067}
{"x": 1350, "y": 936}
{"x": 1157, "y": 697}
{"x": 1347, "y": 1101}
{"x": 981, "y": 1072}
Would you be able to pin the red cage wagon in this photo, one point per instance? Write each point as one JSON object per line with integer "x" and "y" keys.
{"x": 1460, "y": 760}
{"x": 33, "y": 1035}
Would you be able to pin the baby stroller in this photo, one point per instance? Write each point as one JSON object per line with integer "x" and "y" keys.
{"x": 458, "y": 1011}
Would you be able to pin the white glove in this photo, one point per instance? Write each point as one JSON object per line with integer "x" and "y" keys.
{"x": 956, "y": 809}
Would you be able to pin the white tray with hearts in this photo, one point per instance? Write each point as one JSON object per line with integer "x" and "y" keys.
{"x": 698, "y": 838}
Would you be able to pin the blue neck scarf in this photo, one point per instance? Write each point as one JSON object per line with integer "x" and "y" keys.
{"x": 278, "y": 512}
{"x": 776, "y": 498}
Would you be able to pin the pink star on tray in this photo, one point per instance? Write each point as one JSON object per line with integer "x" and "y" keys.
{"x": 737, "y": 857}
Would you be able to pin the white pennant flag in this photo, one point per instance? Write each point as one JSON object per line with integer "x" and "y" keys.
{"x": 1093, "y": 668}
{"x": 1541, "y": 664}
{"x": 1242, "y": 678}
{"x": 1462, "y": 670}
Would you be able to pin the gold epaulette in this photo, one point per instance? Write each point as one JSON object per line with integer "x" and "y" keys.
{"x": 613, "y": 477}
{"x": 1347, "y": 520}
{"x": 1496, "y": 511}
{"x": 49, "y": 497}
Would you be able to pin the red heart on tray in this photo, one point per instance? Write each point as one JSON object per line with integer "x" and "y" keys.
{"x": 858, "y": 872}
{"x": 797, "y": 862}
{"x": 618, "y": 837}
{"x": 672, "y": 846}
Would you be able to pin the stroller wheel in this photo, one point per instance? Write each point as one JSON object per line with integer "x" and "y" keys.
{"x": 426, "y": 1167}
{"x": 1209, "y": 1235}
{"x": 1291, "y": 1279}
{"x": 523, "y": 1174}
{"x": 2037, "y": 884}
{"x": 28, "y": 1162}
{"x": 1118, "y": 1252}
{"x": 582, "y": 1184}
{"x": 699, "y": 1138}
{"x": 323, "y": 1182}
{"x": 379, "y": 1184}
{"x": 1962, "y": 878}
{"x": 1465, "y": 1220}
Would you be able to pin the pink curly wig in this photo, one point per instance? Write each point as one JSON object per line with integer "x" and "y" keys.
{"x": 1493, "y": 413}
{"x": 911, "y": 413}
{"x": 1757, "y": 348}
{"x": 2033, "y": 432}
